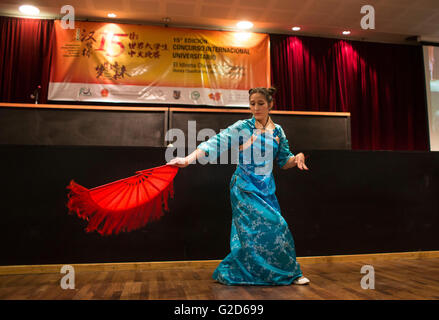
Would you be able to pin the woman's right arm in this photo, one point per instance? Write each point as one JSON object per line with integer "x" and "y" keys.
{"x": 212, "y": 148}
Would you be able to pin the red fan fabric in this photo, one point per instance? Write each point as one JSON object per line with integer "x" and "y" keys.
{"x": 126, "y": 204}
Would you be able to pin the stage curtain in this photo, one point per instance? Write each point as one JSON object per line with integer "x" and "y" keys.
{"x": 25, "y": 48}
{"x": 381, "y": 85}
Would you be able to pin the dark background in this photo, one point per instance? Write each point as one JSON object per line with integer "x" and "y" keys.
{"x": 317, "y": 132}
{"x": 79, "y": 127}
{"x": 350, "y": 202}
{"x": 46, "y": 126}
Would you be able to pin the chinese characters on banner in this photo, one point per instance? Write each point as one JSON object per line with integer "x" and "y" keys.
{"x": 109, "y": 62}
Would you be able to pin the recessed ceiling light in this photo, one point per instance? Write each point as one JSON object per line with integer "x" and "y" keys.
{"x": 295, "y": 28}
{"x": 244, "y": 25}
{"x": 111, "y": 15}
{"x": 30, "y": 10}
{"x": 346, "y": 32}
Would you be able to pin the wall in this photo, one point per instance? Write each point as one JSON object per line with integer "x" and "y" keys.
{"x": 350, "y": 202}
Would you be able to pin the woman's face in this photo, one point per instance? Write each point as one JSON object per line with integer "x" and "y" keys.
{"x": 259, "y": 106}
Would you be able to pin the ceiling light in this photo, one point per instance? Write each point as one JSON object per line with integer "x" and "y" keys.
{"x": 346, "y": 32}
{"x": 295, "y": 28}
{"x": 244, "y": 25}
{"x": 30, "y": 10}
{"x": 112, "y": 15}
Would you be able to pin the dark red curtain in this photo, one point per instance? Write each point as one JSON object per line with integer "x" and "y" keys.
{"x": 25, "y": 48}
{"x": 381, "y": 85}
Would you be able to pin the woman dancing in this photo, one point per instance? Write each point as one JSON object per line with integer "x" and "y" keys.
{"x": 262, "y": 246}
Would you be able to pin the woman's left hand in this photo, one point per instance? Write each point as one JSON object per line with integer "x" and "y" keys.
{"x": 300, "y": 161}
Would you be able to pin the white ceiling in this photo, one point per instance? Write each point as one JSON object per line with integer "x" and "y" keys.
{"x": 396, "y": 20}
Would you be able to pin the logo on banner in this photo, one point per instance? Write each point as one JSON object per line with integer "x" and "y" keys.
{"x": 215, "y": 96}
{"x": 84, "y": 92}
{"x": 195, "y": 95}
{"x": 104, "y": 92}
{"x": 158, "y": 93}
{"x": 154, "y": 94}
{"x": 177, "y": 94}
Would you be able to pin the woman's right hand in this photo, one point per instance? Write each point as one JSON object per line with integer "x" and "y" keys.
{"x": 179, "y": 162}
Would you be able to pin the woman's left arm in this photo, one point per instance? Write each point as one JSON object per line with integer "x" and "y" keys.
{"x": 285, "y": 158}
{"x": 298, "y": 159}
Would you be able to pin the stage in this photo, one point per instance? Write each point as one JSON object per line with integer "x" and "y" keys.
{"x": 403, "y": 276}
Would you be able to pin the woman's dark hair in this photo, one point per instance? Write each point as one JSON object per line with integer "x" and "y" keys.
{"x": 267, "y": 92}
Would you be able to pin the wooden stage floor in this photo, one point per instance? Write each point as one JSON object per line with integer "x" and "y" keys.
{"x": 394, "y": 279}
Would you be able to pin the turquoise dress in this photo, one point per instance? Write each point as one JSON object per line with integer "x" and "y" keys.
{"x": 262, "y": 248}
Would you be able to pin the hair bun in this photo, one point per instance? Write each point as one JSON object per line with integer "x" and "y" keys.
{"x": 272, "y": 90}
{"x": 266, "y": 92}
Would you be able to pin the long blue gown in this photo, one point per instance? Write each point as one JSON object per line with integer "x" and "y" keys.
{"x": 262, "y": 248}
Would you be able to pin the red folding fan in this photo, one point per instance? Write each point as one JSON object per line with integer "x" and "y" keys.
{"x": 126, "y": 204}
